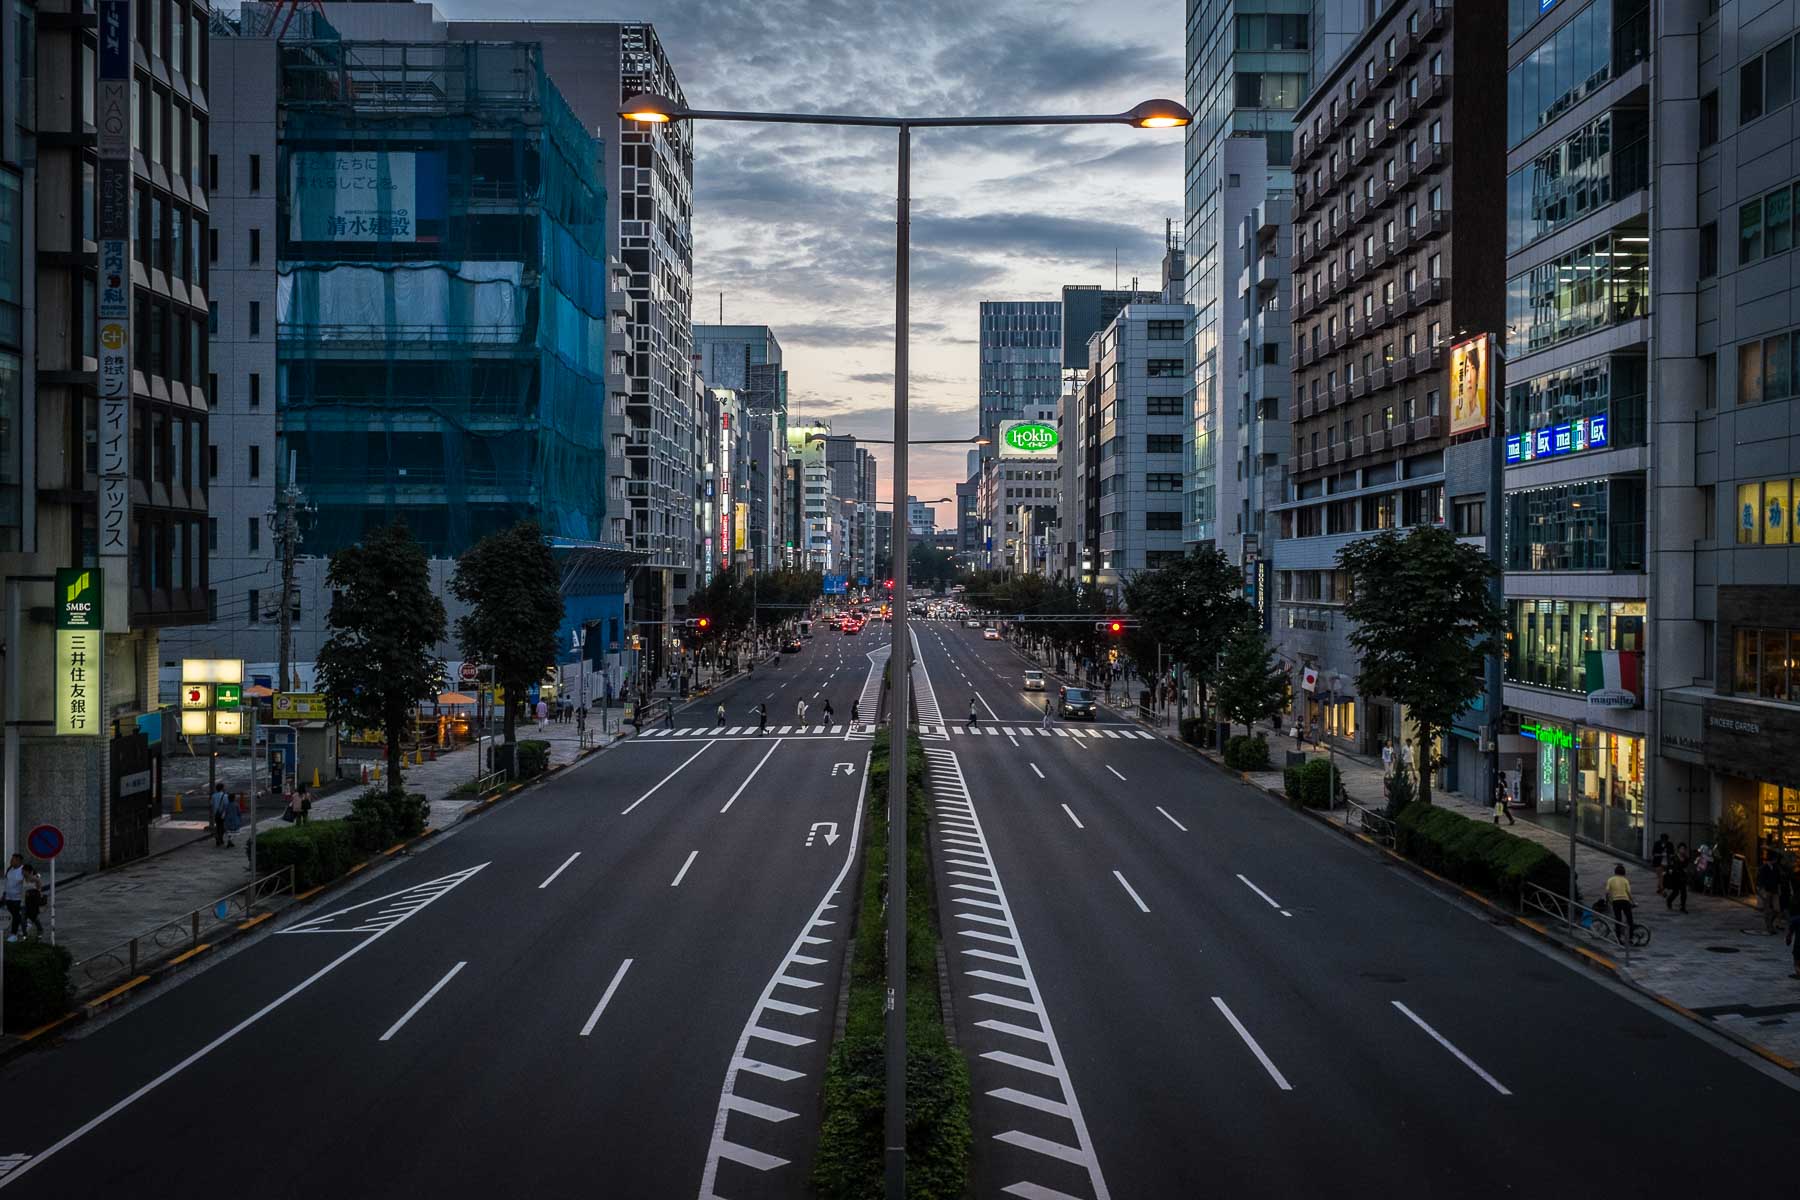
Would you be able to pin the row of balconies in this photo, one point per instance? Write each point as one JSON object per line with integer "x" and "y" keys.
{"x": 1359, "y": 208}
{"x": 1395, "y": 437}
{"x": 1409, "y": 111}
{"x": 1434, "y": 23}
{"x": 1428, "y": 229}
{"x": 1403, "y": 368}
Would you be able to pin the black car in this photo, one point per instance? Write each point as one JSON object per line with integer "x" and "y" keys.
{"x": 793, "y": 646}
{"x": 1078, "y": 704}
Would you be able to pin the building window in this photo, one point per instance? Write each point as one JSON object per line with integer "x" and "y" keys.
{"x": 1549, "y": 640}
{"x": 255, "y": 527}
{"x": 1765, "y": 514}
{"x": 212, "y": 535}
{"x": 255, "y": 390}
{"x": 1593, "y": 525}
{"x": 1568, "y": 66}
{"x": 255, "y": 318}
{"x": 1766, "y": 663}
{"x": 1162, "y": 481}
{"x": 256, "y": 245}
{"x": 1162, "y": 406}
{"x": 256, "y": 172}
{"x": 255, "y": 599}
{"x": 1709, "y": 250}
{"x": 1469, "y": 516}
{"x": 1709, "y": 119}
{"x": 255, "y": 462}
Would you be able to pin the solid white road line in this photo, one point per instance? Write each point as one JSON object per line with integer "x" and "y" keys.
{"x": 69, "y": 1139}
{"x": 605, "y": 998}
{"x": 1034, "y": 770}
{"x": 1079, "y": 825}
{"x": 1441, "y": 1040}
{"x": 1280, "y": 1080}
{"x": 1172, "y": 820}
{"x": 1138, "y": 900}
{"x": 672, "y": 774}
{"x": 692, "y": 855}
{"x": 422, "y": 1001}
{"x": 1121, "y": 778}
{"x": 750, "y": 776}
{"x": 1284, "y": 912}
{"x": 559, "y": 870}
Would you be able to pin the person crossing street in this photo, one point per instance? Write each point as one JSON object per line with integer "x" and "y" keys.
{"x": 721, "y": 712}
{"x": 762, "y": 719}
{"x": 974, "y": 718}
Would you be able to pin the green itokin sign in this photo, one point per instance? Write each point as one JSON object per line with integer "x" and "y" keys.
{"x": 1030, "y": 437}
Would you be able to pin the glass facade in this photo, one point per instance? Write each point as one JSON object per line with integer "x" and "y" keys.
{"x": 1602, "y": 398}
{"x": 1605, "y": 40}
{"x": 1601, "y": 283}
{"x": 1547, "y": 640}
{"x": 1779, "y": 816}
{"x": 1766, "y": 663}
{"x": 1597, "y": 774}
{"x": 1605, "y": 160}
{"x": 1768, "y": 368}
{"x": 1765, "y": 513}
{"x": 1593, "y": 525}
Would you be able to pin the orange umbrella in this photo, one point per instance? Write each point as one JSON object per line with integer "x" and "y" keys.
{"x": 258, "y": 691}
{"x": 454, "y": 698}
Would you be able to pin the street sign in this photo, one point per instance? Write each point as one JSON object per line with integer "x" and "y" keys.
{"x": 471, "y": 672}
{"x": 299, "y": 706}
{"x": 45, "y": 842}
{"x": 80, "y": 625}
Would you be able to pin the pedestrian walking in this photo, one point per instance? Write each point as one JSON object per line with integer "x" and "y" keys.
{"x": 1049, "y": 712}
{"x": 800, "y": 710}
{"x": 669, "y": 715}
{"x": 543, "y": 714}
{"x": 1768, "y": 888}
{"x": 15, "y": 897}
{"x": 1618, "y": 895}
{"x": 825, "y": 712}
{"x": 1502, "y": 801}
{"x": 973, "y": 718}
{"x": 1387, "y": 761}
{"x": 219, "y": 801}
{"x": 305, "y": 804}
{"x": 1793, "y": 933}
{"x": 1675, "y": 879}
{"x": 721, "y": 712}
{"x": 1660, "y": 854}
{"x": 291, "y": 814}
{"x": 762, "y": 719}
{"x": 34, "y": 898}
{"x": 854, "y": 721}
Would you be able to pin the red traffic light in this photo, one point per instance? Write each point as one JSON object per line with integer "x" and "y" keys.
{"x": 1116, "y": 627}
{"x": 890, "y": 585}
{"x": 705, "y": 621}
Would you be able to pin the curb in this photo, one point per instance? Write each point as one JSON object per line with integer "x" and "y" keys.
{"x": 14, "y": 1047}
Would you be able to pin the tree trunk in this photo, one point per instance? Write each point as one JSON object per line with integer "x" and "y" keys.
{"x": 510, "y": 725}
{"x": 395, "y": 755}
{"x": 1424, "y": 765}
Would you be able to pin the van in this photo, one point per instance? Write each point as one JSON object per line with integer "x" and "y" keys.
{"x": 806, "y": 629}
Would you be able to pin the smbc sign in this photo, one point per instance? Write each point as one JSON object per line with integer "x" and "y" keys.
{"x": 1028, "y": 439}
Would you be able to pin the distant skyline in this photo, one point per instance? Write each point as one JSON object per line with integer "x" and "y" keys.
{"x": 795, "y": 226}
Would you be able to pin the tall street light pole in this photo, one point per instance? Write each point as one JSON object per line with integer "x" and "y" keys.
{"x": 658, "y": 110}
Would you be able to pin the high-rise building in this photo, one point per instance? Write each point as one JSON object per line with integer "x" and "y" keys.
{"x": 107, "y": 476}
{"x": 1087, "y": 308}
{"x": 1021, "y": 361}
{"x": 1256, "y": 443}
{"x": 649, "y": 177}
{"x": 1398, "y": 237}
{"x": 747, "y": 359}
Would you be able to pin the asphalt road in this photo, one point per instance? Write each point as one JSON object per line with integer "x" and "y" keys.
{"x": 1169, "y": 986}
{"x": 619, "y": 983}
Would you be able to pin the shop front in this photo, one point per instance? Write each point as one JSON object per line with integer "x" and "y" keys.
{"x": 1749, "y": 746}
{"x": 1563, "y": 771}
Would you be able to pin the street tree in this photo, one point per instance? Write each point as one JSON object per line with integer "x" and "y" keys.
{"x": 386, "y": 623}
{"x": 1424, "y": 619}
{"x": 510, "y": 582}
{"x": 1189, "y": 609}
{"x": 1252, "y": 684}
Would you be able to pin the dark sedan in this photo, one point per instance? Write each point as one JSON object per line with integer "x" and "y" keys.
{"x": 1078, "y": 704}
{"x": 793, "y": 647}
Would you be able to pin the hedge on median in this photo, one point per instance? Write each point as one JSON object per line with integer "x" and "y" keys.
{"x": 37, "y": 984}
{"x": 849, "y": 1164}
{"x": 1477, "y": 854}
{"x": 1311, "y": 783}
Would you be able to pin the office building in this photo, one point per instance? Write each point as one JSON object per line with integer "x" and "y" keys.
{"x": 1021, "y": 362}
{"x": 1396, "y": 161}
{"x": 1255, "y": 443}
{"x": 747, "y": 359}
{"x": 1012, "y": 481}
{"x": 921, "y": 519}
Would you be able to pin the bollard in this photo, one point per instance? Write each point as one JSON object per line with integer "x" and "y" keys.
{"x": 177, "y": 802}
{"x": 315, "y": 782}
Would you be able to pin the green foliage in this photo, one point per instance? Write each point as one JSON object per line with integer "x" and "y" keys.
{"x": 1400, "y": 790}
{"x": 1034, "y": 595}
{"x": 1252, "y": 684}
{"x": 848, "y": 1165}
{"x": 37, "y": 984}
{"x": 378, "y": 819}
{"x": 1247, "y": 753}
{"x": 514, "y": 590}
{"x": 534, "y": 758}
{"x": 926, "y": 564}
{"x": 319, "y": 851}
{"x": 1310, "y": 783}
{"x": 1477, "y": 854}
{"x": 386, "y": 622}
{"x": 1424, "y": 619}
{"x": 1190, "y": 609}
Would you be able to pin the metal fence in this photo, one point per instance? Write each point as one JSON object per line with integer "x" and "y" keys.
{"x": 1378, "y": 826}
{"x": 159, "y": 943}
{"x": 1578, "y": 920}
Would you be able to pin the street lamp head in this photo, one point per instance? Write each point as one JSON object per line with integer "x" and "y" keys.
{"x": 981, "y": 441}
{"x": 1159, "y": 114}
{"x": 652, "y": 109}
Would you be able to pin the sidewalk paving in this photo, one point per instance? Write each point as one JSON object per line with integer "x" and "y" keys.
{"x": 98, "y": 912}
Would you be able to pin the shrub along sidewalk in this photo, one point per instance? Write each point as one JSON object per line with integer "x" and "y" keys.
{"x": 849, "y": 1164}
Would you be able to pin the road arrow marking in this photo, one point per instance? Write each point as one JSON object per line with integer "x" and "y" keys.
{"x": 830, "y": 828}
{"x": 849, "y": 768}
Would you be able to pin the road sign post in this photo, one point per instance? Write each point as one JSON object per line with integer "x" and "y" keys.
{"x": 46, "y": 842}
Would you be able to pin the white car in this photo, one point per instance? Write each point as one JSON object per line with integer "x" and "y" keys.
{"x": 1034, "y": 681}
{"x": 972, "y": 623}
{"x": 990, "y": 634}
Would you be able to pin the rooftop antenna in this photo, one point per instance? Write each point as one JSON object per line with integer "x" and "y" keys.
{"x": 721, "y": 308}
{"x": 1115, "y": 268}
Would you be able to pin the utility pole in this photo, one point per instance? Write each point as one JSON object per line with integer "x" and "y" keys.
{"x": 286, "y": 519}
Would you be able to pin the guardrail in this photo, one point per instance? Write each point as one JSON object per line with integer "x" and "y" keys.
{"x": 1578, "y": 919}
{"x": 1378, "y": 826}
{"x": 182, "y": 933}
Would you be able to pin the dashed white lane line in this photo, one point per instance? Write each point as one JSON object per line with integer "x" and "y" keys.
{"x": 606, "y": 998}
{"x": 1441, "y": 1040}
{"x": 1074, "y": 818}
{"x": 421, "y": 1002}
{"x": 559, "y": 870}
{"x": 1268, "y": 1065}
{"x": 1132, "y": 892}
{"x": 1121, "y": 778}
{"x": 1172, "y": 820}
{"x": 1034, "y": 770}
{"x": 750, "y": 776}
{"x": 682, "y": 874}
{"x": 1284, "y": 912}
{"x": 672, "y": 774}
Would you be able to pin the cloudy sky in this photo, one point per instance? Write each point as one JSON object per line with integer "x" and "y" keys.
{"x": 795, "y": 226}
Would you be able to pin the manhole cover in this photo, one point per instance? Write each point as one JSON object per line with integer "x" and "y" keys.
{"x": 1723, "y": 949}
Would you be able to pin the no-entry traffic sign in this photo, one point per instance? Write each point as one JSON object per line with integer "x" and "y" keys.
{"x": 45, "y": 841}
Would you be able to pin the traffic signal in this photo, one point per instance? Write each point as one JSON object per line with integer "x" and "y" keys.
{"x": 890, "y": 585}
{"x": 704, "y": 624}
{"x": 1114, "y": 628}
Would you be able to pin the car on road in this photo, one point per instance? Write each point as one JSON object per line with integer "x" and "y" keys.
{"x": 990, "y": 634}
{"x": 852, "y": 627}
{"x": 1077, "y": 704}
{"x": 1034, "y": 681}
{"x": 793, "y": 646}
{"x": 972, "y": 623}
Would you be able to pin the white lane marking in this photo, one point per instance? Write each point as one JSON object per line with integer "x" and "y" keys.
{"x": 1132, "y": 892}
{"x": 421, "y": 1002}
{"x": 1271, "y": 900}
{"x": 70, "y": 1138}
{"x": 559, "y": 870}
{"x": 1073, "y": 817}
{"x": 1274, "y": 1073}
{"x": 750, "y": 776}
{"x": 1033, "y": 1191}
{"x": 410, "y": 900}
{"x": 1172, "y": 820}
{"x": 740, "y": 1061}
{"x": 672, "y": 774}
{"x": 679, "y": 875}
{"x": 1121, "y": 778}
{"x": 1441, "y": 1040}
{"x": 606, "y": 998}
{"x": 1034, "y": 770}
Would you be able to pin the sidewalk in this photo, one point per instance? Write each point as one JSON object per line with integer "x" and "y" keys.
{"x": 98, "y": 912}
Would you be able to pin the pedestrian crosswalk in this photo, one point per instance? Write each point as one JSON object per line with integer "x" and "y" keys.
{"x": 705, "y": 731}
{"x": 1066, "y": 731}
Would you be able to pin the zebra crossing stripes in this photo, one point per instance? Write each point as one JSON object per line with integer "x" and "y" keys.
{"x": 395, "y": 908}
{"x": 924, "y": 695}
{"x": 1040, "y": 731}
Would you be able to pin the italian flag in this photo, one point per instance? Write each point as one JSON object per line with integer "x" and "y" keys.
{"x": 1620, "y": 670}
